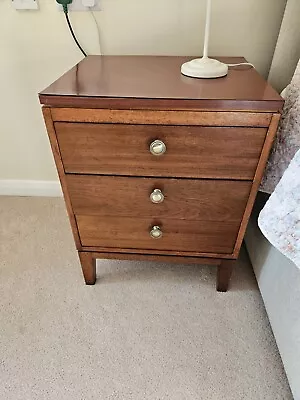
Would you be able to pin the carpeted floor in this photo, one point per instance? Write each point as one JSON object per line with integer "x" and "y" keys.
{"x": 144, "y": 331}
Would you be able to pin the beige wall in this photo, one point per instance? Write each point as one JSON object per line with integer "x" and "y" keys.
{"x": 287, "y": 51}
{"x": 36, "y": 48}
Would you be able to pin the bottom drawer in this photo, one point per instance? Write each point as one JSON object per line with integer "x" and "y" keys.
{"x": 178, "y": 235}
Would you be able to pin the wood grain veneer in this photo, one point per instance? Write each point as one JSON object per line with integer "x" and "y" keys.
{"x": 190, "y": 199}
{"x": 194, "y": 152}
{"x": 127, "y": 82}
{"x": 101, "y": 119}
{"x": 182, "y": 235}
{"x": 149, "y": 117}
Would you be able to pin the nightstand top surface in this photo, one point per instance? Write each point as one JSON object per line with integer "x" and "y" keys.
{"x": 155, "y": 82}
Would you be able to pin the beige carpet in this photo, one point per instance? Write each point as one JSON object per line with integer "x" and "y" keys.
{"x": 144, "y": 331}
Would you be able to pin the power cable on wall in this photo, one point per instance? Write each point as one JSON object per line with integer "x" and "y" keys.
{"x": 98, "y": 29}
{"x": 73, "y": 34}
{"x": 65, "y": 4}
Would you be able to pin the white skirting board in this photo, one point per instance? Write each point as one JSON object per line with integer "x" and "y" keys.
{"x": 30, "y": 188}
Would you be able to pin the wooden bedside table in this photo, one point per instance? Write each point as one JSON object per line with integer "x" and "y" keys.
{"x": 158, "y": 166}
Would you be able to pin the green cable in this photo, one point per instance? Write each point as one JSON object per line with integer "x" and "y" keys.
{"x": 65, "y": 4}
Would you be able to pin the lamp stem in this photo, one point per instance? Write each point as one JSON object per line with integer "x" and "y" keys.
{"x": 205, "y": 67}
{"x": 207, "y": 28}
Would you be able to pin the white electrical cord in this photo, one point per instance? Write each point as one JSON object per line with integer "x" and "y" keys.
{"x": 98, "y": 28}
{"x": 239, "y": 64}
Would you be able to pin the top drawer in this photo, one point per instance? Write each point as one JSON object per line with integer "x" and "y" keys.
{"x": 190, "y": 151}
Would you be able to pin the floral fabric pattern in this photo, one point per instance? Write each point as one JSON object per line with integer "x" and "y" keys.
{"x": 287, "y": 141}
{"x": 279, "y": 220}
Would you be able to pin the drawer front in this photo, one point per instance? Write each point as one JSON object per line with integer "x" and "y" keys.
{"x": 191, "y": 151}
{"x": 202, "y": 200}
{"x": 177, "y": 235}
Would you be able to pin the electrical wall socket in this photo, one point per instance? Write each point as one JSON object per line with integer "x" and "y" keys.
{"x": 25, "y": 4}
{"x": 88, "y": 3}
{"x": 82, "y": 5}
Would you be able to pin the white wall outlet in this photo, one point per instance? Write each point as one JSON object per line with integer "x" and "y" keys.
{"x": 88, "y": 3}
{"x": 25, "y": 4}
{"x": 83, "y": 5}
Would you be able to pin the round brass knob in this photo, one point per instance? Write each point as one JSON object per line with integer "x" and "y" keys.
{"x": 157, "y": 148}
{"x": 155, "y": 232}
{"x": 157, "y": 196}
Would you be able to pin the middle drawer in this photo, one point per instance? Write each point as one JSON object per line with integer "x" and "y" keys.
{"x": 189, "y": 199}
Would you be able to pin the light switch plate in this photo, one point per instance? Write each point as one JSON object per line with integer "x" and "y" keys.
{"x": 78, "y": 5}
{"x": 25, "y": 4}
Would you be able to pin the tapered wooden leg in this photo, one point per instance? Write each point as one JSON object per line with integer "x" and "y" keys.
{"x": 224, "y": 275}
{"x": 88, "y": 265}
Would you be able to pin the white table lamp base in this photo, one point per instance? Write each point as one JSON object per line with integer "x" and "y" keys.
{"x": 204, "y": 68}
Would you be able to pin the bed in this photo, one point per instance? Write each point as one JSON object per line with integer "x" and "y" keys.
{"x": 279, "y": 283}
{"x": 277, "y": 265}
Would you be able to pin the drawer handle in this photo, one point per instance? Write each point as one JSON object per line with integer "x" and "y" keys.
{"x": 157, "y": 196}
{"x": 157, "y": 148}
{"x": 155, "y": 232}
